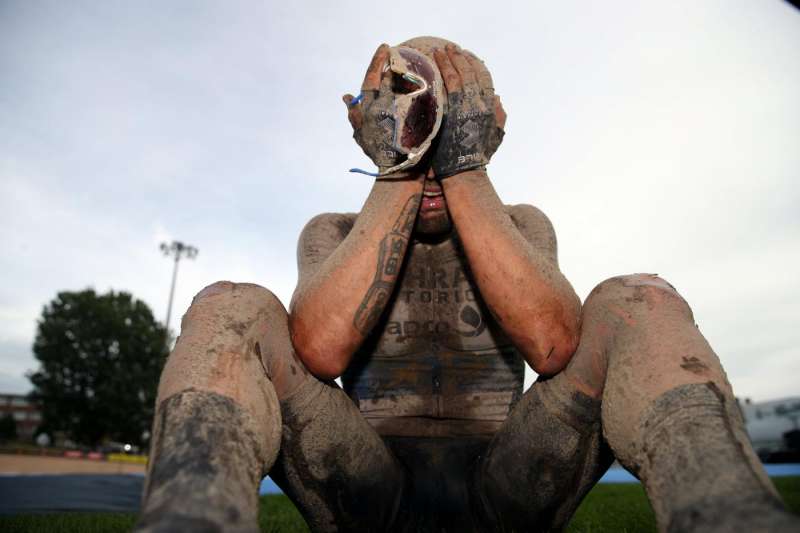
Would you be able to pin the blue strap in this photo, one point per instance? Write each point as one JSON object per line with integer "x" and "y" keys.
{"x": 359, "y": 171}
{"x": 352, "y": 103}
{"x": 356, "y": 100}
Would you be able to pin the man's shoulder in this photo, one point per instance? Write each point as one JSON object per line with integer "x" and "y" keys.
{"x": 527, "y": 216}
{"x": 534, "y": 225}
{"x": 329, "y": 226}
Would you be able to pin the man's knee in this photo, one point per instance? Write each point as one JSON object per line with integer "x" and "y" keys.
{"x": 623, "y": 297}
{"x": 226, "y": 336}
{"x": 217, "y": 353}
{"x": 236, "y": 316}
{"x": 622, "y": 311}
{"x": 235, "y": 306}
{"x": 230, "y": 288}
{"x": 248, "y": 313}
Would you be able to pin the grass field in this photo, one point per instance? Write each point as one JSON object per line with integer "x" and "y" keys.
{"x": 617, "y": 508}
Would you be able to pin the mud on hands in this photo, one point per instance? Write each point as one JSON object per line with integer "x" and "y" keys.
{"x": 399, "y": 111}
{"x": 370, "y": 113}
{"x": 472, "y": 128}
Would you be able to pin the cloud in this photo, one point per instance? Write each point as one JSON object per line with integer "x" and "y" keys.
{"x": 15, "y": 363}
{"x": 657, "y": 138}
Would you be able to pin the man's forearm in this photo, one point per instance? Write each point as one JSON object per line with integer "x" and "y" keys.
{"x": 337, "y": 308}
{"x": 533, "y": 302}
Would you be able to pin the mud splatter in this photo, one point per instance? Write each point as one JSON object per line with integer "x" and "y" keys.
{"x": 693, "y": 365}
{"x": 237, "y": 326}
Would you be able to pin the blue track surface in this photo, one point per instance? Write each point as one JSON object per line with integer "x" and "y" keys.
{"x": 70, "y": 492}
{"x": 122, "y": 492}
{"x": 620, "y": 475}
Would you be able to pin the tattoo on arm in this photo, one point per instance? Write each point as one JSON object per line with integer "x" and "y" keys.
{"x": 390, "y": 257}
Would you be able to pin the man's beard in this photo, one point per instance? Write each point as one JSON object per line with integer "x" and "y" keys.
{"x": 433, "y": 225}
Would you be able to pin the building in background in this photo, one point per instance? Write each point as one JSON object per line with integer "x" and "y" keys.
{"x": 774, "y": 428}
{"x": 25, "y": 413}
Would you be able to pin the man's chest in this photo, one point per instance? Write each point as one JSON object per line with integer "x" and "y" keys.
{"x": 436, "y": 352}
{"x": 436, "y": 306}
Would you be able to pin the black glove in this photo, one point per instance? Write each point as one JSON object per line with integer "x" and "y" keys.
{"x": 470, "y": 131}
{"x": 370, "y": 115}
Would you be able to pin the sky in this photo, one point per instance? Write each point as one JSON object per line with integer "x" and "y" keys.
{"x": 658, "y": 137}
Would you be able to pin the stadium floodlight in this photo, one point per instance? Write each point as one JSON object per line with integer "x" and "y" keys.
{"x": 177, "y": 250}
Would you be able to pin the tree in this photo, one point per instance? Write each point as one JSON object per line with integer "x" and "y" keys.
{"x": 100, "y": 356}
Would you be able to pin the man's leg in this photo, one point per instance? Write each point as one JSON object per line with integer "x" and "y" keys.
{"x": 668, "y": 411}
{"x": 332, "y": 464}
{"x": 541, "y": 463}
{"x": 217, "y": 425}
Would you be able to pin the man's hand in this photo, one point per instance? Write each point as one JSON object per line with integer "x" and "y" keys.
{"x": 518, "y": 276}
{"x": 371, "y": 118}
{"x": 473, "y": 124}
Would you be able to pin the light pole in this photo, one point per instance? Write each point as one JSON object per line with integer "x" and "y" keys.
{"x": 176, "y": 249}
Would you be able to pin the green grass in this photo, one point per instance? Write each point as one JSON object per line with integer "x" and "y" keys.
{"x": 610, "y": 507}
{"x": 68, "y": 522}
{"x": 614, "y": 507}
{"x": 277, "y": 514}
{"x": 624, "y": 507}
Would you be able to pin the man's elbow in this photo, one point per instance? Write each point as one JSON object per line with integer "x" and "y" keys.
{"x": 327, "y": 360}
{"x": 323, "y": 366}
{"x": 549, "y": 352}
{"x": 556, "y": 359}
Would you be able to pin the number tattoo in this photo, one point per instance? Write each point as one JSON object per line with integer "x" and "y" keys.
{"x": 390, "y": 258}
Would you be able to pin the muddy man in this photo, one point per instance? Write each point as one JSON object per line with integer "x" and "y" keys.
{"x": 427, "y": 304}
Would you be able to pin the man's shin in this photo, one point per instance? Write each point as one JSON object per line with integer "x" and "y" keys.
{"x": 670, "y": 416}
{"x": 695, "y": 460}
{"x": 217, "y": 424}
{"x": 207, "y": 459}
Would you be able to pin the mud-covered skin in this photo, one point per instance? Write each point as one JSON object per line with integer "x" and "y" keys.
{"x": 638, "y": 342}
{"x": 694, "y": 428}
{"x": 668, "y": 411}
{"x": 644, "y": 383}
{"x": 543, "y": 461}
{"x": 217, "y": 425}
{"x": 198, "y": 435}
{"x": 332, "y": 464}
{"x": 438, "y": 438}
{"x": 390, "y": 260}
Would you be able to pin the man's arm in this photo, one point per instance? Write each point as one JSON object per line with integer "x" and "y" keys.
{"x": 344, "y": 285}
{"x": 342, "y": 290}
{"x": 518, "y": 278}
{"x": 517, "y": 274}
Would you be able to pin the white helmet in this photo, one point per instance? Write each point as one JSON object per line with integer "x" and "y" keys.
{"x": 418, "y": 105}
